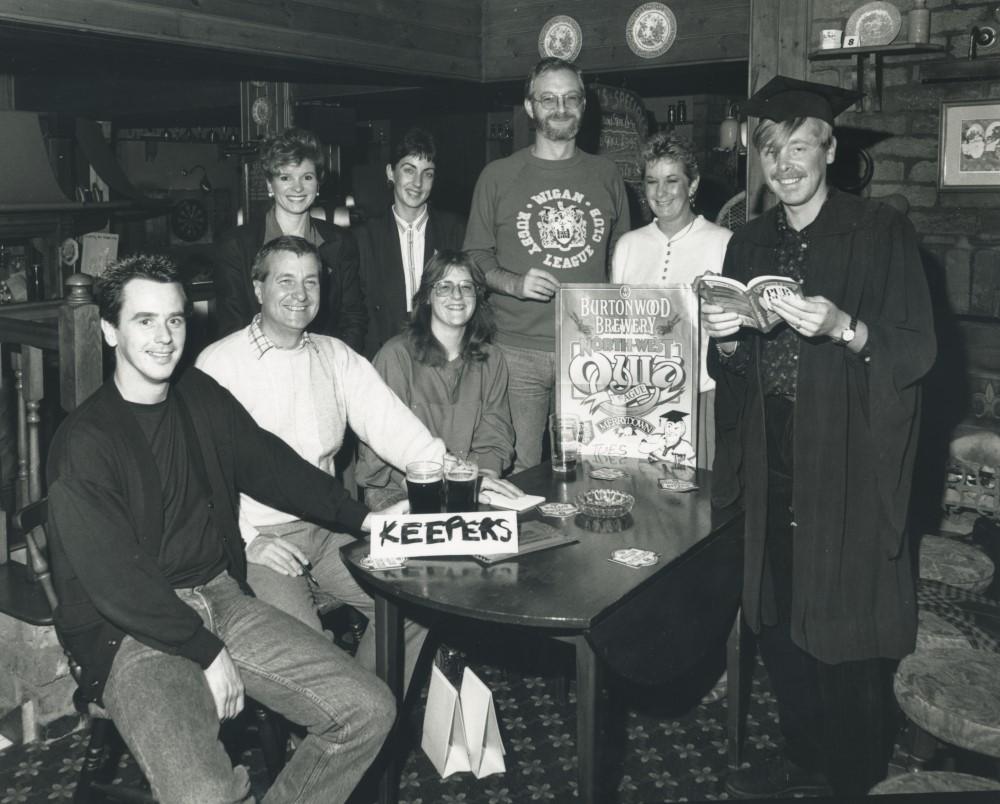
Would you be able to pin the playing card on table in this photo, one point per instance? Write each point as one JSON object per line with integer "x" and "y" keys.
{"x": 634, "y": 557}
{"x": 607, "y": 473}
{"x": 379, "y": 564}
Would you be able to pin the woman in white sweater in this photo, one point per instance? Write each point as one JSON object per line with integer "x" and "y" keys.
{"x": 677, "y": 247}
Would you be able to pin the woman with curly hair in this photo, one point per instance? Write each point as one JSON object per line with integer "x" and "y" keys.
{"x": 294, "y": 166}
{"x": 446, "y": 370}
{"x": 677, "y": 247}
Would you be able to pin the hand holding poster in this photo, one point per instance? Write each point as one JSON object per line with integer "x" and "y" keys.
{"x": 628, "y": 367}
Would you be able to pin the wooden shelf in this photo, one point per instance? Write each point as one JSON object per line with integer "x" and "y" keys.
{"x": 983, "y": 68}
{"x": 897, "y": 49}
{"x": 869, "y": 82}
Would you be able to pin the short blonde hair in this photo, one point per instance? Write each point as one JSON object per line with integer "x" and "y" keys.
{"x": 770, "y": 135}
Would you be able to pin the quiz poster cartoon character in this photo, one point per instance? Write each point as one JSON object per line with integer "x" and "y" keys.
{"x": 627, "y": 356}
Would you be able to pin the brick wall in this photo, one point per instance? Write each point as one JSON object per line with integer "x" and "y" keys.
{"x": 959, "y": 230}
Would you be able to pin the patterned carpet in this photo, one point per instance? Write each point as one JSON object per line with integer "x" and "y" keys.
{"x": 664, "y": 748}
{"x": 662, "y": 745}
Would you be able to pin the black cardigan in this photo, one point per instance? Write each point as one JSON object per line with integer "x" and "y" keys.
{"x": 342, "y": 307}
{"x": 106, "y": 519}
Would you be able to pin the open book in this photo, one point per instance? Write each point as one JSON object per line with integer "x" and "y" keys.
{"x": 752, "y": 301}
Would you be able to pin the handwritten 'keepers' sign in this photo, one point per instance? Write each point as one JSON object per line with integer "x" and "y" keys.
{"x": 483, "y": 533}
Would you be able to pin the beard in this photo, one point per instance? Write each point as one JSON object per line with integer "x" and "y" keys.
{"x": 562, "y": 132}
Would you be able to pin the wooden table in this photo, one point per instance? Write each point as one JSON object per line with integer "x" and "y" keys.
{"x": 648, "y": 624}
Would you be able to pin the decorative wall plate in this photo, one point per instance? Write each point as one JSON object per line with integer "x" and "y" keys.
{"x": 651, "y": 30}
{"x": 560, "y": 37}
{"x": 874, "y": 24}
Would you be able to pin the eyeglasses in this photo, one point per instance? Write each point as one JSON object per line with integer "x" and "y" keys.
{"x": 572, "y": 101}
{"x": 446, "y": 287}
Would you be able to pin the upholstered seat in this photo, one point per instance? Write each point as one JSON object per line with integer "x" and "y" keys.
{"x": 954, "y": 695}
{"x": 956, "y": 563}
{"x": 933, "y": 782}
{"x": 976, "y": 616}
{"x": 934, "y": 631}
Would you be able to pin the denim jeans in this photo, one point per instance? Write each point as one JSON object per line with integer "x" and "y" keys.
{"x": 298, "y": 596}
{"x": 531, "y": 391}
{"x": 165, "y": 712}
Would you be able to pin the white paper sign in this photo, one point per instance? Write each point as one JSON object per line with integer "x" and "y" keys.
{"x": 461, "y": 732}
{"x": 481, "y": 533}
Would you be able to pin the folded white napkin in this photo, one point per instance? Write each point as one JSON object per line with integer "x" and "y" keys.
{"x": 498, "y": 500}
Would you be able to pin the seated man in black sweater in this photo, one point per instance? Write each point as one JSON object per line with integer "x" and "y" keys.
{"x": 149, "y": 566}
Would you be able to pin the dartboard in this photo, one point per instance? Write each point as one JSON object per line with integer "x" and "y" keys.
{"x": 189, "y": 220}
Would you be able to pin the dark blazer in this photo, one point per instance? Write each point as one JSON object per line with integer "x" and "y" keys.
{"x": 106, "y": 518}
{"x": 342, "y": 308}
{"x": 383, "y": 285}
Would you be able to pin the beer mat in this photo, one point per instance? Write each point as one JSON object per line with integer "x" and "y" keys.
{"x": 607, "y": 473}
{"x": 498, "y": 500}
{"x": 634, "y": 557}
{"x": 560, "y": 509}
{"x": 532, "y": 536}
{"x": 381, "y": 564}
{"x": 673, "y": 484}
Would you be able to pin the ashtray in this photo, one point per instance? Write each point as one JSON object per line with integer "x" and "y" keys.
{"x": 605, "y": 503}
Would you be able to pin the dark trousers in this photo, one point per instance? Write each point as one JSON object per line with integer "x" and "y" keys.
{"x": 835, "y": 718}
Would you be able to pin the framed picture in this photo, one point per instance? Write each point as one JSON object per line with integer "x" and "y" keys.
{"x": 969, "y": 157}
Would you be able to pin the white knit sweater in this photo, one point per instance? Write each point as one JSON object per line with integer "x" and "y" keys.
{"x": 307, "y": 396}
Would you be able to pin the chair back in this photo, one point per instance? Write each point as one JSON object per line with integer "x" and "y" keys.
{"x": 31, "y": 520}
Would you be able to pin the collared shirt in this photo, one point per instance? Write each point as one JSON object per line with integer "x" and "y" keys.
{"x": 263, "y": 344}
{"x": 780, "y": 347}
{"x": 412, "y": 237}
{"x": 272, "y": 230}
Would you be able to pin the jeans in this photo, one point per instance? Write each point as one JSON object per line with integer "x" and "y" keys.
{"x": 165, "y": 712}
{"x": 300, "y": 597}
{"x": 531, "y": 391}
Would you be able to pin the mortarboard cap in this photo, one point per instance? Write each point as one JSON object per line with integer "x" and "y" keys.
{"x": 673, "y": 415}
{"x": 784, "y": 98}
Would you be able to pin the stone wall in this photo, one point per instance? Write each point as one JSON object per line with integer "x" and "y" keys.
{"x": 959, "y": 230}
{"x": 34, "y": 675}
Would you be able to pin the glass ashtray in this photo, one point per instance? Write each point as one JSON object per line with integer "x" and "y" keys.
{"x": 605, "y": 503}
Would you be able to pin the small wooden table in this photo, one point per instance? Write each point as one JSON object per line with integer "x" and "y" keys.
{"x": 649, "y": 624}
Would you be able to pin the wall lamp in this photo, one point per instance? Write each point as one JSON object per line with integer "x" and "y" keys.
{"x": 204, "y": 184}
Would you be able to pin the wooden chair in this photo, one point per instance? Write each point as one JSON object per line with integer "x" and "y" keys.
{"x": 105, "y": 745}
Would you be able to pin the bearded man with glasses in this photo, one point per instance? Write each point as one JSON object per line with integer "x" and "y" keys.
{"x": 549, "y": 213}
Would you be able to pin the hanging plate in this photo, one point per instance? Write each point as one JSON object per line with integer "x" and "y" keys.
{"x": 651, "y": 30}
{"x": 560, "y": 38}
{"x": 874, "y": 24}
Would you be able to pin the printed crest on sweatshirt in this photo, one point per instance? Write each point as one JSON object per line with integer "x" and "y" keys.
{"x": 563, "y": 225}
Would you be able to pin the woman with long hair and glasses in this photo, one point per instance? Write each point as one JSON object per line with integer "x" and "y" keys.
{"x": 294, "y": 166}
{"x": 446, "y": 370}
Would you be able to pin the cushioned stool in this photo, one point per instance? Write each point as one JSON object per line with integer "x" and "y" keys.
{"x": 953, "y": 694}
{"x": 955, "y": 563}
{"x": 933, "y": 782}
{"x": 934, "y": 631}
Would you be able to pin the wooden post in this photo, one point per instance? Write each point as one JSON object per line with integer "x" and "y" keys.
{"x": 80, "y": 344}
{"x": 779, "y": 45}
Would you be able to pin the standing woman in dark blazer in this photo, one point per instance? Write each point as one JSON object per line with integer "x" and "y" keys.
{"x": 294, "y": 167}
{"x": 396, "y": 245}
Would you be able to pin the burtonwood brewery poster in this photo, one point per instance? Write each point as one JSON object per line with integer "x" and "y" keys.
{"x": 627, "y": 365}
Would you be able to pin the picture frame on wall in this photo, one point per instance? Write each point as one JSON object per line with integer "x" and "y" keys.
{"x": 969, "y": 143}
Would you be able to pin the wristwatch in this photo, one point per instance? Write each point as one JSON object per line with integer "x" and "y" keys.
{"x": 847, "y": 334}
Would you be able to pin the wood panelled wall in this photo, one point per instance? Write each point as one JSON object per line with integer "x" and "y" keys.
{"x": 426, "y": 37}
{"x": 707, "y": 31}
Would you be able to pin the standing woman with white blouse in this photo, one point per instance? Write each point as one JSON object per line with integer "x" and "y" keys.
{"x": 676, "y": 248}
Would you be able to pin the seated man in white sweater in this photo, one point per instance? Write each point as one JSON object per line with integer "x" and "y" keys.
{"x": 306, "y": 389}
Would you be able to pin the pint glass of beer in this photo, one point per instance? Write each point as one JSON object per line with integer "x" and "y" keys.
{"x": 425, "y": 486}
{"x": 461, "y": 479}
